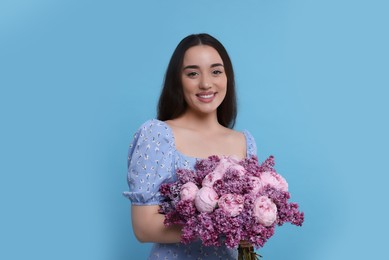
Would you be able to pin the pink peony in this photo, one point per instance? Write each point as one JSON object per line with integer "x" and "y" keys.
{"x": 256, "y": 184}
{"x": 274, "y": 180}
{"x": 231, "y": 204}
{"x": 188, "y": 191}
{"x": 225, "y": 163}
{"x": 206, "y": 199}
{"x": 265, "y": 211}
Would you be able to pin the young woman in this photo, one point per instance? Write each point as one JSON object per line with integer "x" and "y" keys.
{"x": 196, "y": 114}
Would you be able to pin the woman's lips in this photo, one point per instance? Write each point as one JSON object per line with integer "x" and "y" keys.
{"x": 206, "y": 97}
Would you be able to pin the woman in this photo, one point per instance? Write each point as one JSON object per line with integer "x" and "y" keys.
{"x": 196, "y": 113}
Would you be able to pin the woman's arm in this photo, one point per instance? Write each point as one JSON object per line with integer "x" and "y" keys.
{"x": 148, "y": 226}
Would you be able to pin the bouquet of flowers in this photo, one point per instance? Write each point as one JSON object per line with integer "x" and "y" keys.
{"x": 225, "y": 200}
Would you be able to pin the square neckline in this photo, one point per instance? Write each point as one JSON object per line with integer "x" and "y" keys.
{"x": 173, "y": 144}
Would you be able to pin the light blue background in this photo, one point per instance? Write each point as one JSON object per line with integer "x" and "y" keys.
{"x": 78, "y": 77}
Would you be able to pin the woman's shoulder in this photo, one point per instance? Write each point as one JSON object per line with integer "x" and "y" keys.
{"x": 237, "y": 134}
{"x": 154, "y": 127}
{"x": 233, "y": 135}
{"x": 244, "y": 136}
{"x": 153, "y": 124}
{"x": 242, "y": 140}
{"x": 154, "y": 131}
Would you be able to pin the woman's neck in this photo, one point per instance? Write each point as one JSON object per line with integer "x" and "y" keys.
{"x": 199, "y": 122}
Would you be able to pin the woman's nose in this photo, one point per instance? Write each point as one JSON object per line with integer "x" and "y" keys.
{"x": 205, "y": 83}
{"x": 205, "y": 86}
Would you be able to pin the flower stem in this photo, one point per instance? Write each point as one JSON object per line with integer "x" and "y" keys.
{"x": 247, "y": 253}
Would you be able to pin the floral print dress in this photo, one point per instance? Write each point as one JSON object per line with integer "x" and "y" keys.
{"x": 153, "y": 160}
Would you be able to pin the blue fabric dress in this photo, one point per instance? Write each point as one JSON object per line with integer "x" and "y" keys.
{"x": 153, "y": 160}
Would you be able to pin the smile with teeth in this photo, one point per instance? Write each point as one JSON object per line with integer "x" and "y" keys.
{"x": 206, "y": 96}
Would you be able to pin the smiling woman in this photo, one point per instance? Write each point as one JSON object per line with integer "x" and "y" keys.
{"x": 204, "y": 81}
{"x": 196, "y": 113}
{"x": 172, "y": 103}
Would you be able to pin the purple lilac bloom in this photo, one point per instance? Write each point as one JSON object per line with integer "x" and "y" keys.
{"x": 190, "y": 230}
{"x": 267, "y": 165}
{"x": 173, "y": 218}
{"x": 203, "y": 167}
{"x": 185, "y": 175}
{"x": 233, "y": 182}
{"x": 251, "y": 165}
{"x": 207, "y": 233}
{"x": 186, "y": 208}
{"x": 165, "y": 189}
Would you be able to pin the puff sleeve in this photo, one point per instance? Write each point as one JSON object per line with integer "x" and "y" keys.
{"x": 150, "y": 163}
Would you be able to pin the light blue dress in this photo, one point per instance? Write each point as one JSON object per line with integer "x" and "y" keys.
{"x": 153, "y": 160}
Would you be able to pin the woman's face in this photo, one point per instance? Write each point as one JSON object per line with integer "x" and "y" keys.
{"x": 203, "y": 78}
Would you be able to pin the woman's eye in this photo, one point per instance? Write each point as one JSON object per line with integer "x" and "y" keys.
{"x": 217, "y": 72}
{"x": 192, "y": 74}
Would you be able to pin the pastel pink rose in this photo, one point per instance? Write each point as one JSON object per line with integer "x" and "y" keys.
{"x": 232, "y": 204}
{"x": 188, "y": 191}
{"x": 265, "y": 211}
{"x": 225, "y": 163}
{"x": 206, "y": 199}
{"x": 274, "y": 180}
{"x": 257, "y": 184}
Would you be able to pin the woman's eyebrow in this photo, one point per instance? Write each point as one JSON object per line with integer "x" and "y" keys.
{"x": 217, "y": 65}
{"x": 197, "y": 67}
{"x": 191, "y": 67}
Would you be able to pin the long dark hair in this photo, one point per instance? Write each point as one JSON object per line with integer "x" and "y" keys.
{"x": 172, "y": 103}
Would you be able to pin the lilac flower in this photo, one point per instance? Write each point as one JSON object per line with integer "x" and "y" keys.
{"x": 190, "y": 230}
{"x": 204, "y": 167}
{"x": 165, "y": 189}
{"x": 186, "y": 208}
{"x": 251, "y": 165}
{"x": 185, "y": 175}
{"x": 267, "y": 165}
